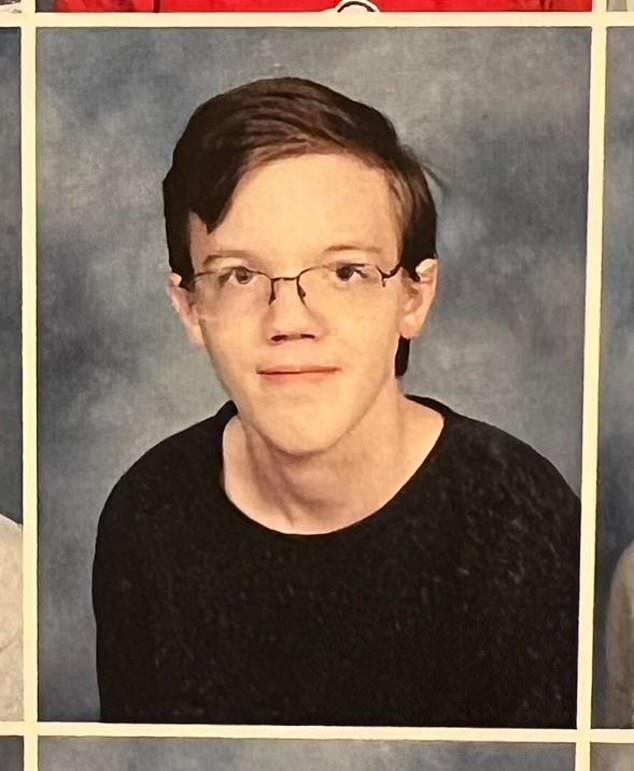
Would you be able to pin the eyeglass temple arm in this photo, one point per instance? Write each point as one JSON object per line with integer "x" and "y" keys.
{"x": 396, "y": 269}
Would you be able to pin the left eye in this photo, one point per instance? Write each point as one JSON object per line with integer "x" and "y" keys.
{"x": 346, "y": 271}
{"x": 242, "y": 275}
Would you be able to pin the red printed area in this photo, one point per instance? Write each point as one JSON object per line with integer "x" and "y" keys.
{"x": 322, "y": 5}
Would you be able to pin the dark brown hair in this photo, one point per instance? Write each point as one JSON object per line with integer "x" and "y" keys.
{"x": 266, "y": 120}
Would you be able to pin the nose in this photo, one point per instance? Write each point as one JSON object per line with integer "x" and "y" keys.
{"x": 288, "y": 316}
{"x": 295, "y": 279}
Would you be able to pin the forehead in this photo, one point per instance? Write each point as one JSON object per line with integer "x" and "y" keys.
{"x": 296, "y": 208}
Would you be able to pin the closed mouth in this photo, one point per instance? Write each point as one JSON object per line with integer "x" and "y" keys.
{"x": 308, "y": 369}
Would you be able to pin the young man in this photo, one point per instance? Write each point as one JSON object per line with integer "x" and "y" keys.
{"x": 326, "y": 550}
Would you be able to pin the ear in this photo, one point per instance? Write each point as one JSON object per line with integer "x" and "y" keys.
{"x": 419, "y": 298}
{"x": 183, "y": 303}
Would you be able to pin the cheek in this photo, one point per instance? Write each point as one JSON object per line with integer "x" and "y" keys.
{"x": 372, "y": 336}
{"x": 231, "y": 348}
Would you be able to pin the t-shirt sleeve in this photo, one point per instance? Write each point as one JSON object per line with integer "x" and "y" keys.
{"x": 528, "y": 594}
{"x": 548, "y": 575}
{"x": 124, "y": 652}
{"x": 620, "y": 644}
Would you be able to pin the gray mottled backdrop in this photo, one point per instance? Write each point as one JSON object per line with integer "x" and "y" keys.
{"x": 286, "y": 755}
{"x": 616, "y": 451}
{"x": 612, "y": 757}
{"x": 502, "y": 114}
{"x": 10, "y": 224}
{"x": 10, "y": 747}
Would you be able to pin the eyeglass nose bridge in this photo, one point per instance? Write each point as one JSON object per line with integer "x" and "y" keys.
{"x": 301, "y": 292}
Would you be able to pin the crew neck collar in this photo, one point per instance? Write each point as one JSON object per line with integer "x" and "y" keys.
{"x": 375, "y": 519}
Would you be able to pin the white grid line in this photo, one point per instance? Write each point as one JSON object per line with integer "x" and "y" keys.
{"x": 500, "y": 735}
{"x": 591, "y": 394}
{"x": 29, "y": 387}
{"x": 410, "y": 19}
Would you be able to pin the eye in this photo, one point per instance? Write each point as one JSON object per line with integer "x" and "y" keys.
{"x": 237, "y": 275}
{"x": 243, "y": 275}
{"x": 346, "y": 271}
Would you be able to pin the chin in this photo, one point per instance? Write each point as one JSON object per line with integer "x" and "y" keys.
{"x": 302, "y": 436}
{"x": 303, "y": 423}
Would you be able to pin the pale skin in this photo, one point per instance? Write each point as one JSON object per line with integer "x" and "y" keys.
{"x": 311, "y": 454}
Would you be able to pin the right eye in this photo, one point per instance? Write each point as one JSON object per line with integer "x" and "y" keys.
{"x": 238, "y": 275}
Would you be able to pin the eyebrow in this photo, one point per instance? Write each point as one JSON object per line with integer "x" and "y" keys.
{"x": 236, "y": 254}
{"x": 368, "y": 248}
{"x": 242, "y": 254}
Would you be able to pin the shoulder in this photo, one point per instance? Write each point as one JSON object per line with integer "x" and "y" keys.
{"x": 498, "y": 457}
{"x": 622, "y": 586}
{"x": 10, "y": 620}
{"x": 507, "y": 453}
{"x": 180, "y": 454}
{"x": 619, "y": 641}
{"x": 10, "y": 542}
{"x": 10, "y": 579}
{"x": 175, "y": 469}
{"x": 500, "y": 478}
{"x": 517, "y": 527}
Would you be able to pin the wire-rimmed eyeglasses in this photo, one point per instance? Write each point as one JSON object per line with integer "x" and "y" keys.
{"x": 331, "y": 282}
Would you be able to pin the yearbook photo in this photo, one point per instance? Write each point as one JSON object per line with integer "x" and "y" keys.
{"x": 11, "y": 753}
{"x": 310, "y": 373}
{"x": 10, "y": 383}
{"x": 58, "y": 754}
{"x": 614, "y": 596}
{"x": 612, "y": 757}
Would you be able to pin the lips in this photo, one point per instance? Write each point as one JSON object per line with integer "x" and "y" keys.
{"x": 296, "y": 373}
{"x": 297, "y": 369}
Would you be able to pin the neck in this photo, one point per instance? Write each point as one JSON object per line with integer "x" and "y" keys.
{"x": 327, "y": 491}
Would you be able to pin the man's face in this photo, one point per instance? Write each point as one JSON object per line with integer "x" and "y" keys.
{"x": 303, "y": 372}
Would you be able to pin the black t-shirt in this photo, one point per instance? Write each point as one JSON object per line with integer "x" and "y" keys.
{"x": 455, "y": 604}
